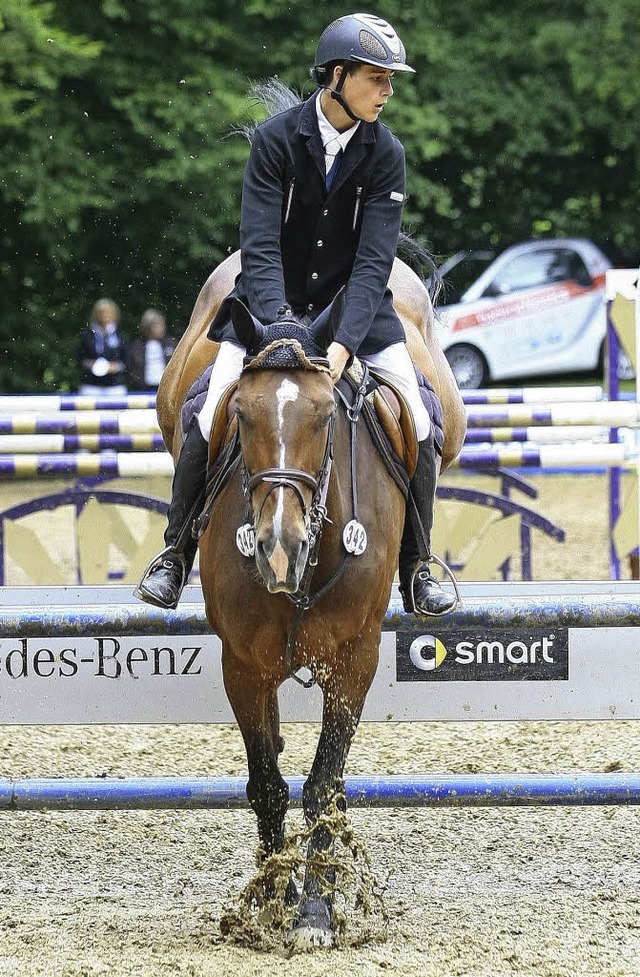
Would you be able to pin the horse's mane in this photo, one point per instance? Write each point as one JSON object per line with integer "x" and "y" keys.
{"x": 275, "y": 97}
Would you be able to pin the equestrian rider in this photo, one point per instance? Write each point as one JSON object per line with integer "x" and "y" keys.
{"x": 322, "y": 203}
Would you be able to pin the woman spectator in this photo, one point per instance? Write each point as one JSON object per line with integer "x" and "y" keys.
{"x": 103, "y": 353}
{"x": 150, "y": 353}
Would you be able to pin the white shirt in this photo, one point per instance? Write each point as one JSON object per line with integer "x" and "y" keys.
{"x": 332, "y": 140}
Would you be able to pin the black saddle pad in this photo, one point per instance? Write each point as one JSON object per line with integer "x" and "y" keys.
{"x": 431, "y": 401}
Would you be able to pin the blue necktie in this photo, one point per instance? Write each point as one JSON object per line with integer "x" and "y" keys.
{"x": 333, "y": 170}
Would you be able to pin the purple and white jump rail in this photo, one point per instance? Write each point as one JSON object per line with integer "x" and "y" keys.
{"x": 518, "y": 651}
{"x": 625, "y": 282}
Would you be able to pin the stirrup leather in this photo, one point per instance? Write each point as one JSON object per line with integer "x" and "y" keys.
{"x": 450, "y": 574}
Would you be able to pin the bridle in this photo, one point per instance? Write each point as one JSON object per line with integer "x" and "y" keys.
{"x": 293, "y": 478}
{"x": 314, "y": 517}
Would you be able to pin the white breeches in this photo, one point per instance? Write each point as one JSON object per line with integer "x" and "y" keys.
{"x": 226, "y": 370}
{"x": 393, "y": 362}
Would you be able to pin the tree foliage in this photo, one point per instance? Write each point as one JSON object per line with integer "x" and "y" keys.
{"x": 122, "y": 173}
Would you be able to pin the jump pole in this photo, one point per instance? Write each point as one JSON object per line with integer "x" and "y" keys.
{"x": 411, "y": 790}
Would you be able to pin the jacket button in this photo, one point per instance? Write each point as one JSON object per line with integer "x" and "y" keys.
{"x": 319, "y": 244}
{"x": 315, "y": 276}
{"x": 324, "y": 213}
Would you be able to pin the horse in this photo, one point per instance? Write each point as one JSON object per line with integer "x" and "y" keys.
{"x": 299, "y": 600}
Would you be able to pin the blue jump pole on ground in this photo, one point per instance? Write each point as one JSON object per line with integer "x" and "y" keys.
{"x": 412, "y": 790}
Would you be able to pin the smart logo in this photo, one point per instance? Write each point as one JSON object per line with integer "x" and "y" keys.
{"x": 534, "y": 655}
{"x": 427, "y": 652}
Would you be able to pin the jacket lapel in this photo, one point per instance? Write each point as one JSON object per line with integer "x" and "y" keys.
{"x": 354, "y": 154}
{"x": 308, "y": 127}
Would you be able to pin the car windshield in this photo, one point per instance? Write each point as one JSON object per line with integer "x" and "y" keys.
{"x": 539, "y": 268}
{"x": 461, "y": 271}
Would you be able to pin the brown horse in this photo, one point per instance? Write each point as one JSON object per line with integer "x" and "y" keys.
{"x": 287, "y": 420}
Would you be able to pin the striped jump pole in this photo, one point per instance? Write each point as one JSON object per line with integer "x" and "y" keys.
{"x": 535, "y": 435}
{"x": 65, "y": 443}
{"x": 74, "y": 422}
{"x": 136, "y": 464}
{"x": 549, "y": 456}
{"x": 532, "y": 395}
{"x": 607, "y": 413}
{"x": 54, "y": 403}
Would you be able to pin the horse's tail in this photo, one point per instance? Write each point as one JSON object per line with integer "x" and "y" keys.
{"x": 274, "y": 97}
{"x": 422, "y": 262}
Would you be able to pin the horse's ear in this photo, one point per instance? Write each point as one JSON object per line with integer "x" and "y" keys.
{"x": 325, "y": 327}
{"x": 248, "y": 330}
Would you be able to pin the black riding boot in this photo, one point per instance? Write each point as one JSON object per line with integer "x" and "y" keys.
{"x": 166, "y": 575}
{"x": 421, "y": 592}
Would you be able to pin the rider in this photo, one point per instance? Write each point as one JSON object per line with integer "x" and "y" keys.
{"x": 322, "y": 203}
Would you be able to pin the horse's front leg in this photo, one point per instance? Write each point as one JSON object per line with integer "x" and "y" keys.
{"x": 344, "y": 696}
{"x": 254, "y": 700}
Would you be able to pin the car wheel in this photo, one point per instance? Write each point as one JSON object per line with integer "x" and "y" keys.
{"x": 468, "y": 365}
{"x": 625, "y": 366}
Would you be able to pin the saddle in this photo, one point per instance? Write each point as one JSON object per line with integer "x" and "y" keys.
{"x": 394, "y": 416}
{"x": 224, "y": 422}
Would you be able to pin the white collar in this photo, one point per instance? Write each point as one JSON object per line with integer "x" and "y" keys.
{"x": 332, "y": 140}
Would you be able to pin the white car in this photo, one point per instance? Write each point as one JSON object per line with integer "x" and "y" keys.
{"x": 537, "y": 309}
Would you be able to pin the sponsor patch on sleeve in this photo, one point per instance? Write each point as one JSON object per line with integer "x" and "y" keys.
{"x": 399, "y": 197}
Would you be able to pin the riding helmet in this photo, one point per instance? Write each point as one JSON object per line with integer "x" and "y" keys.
{"x": 363, "y": 38}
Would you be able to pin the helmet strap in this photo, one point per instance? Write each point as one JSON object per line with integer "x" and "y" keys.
{"x": 336, "y": 93}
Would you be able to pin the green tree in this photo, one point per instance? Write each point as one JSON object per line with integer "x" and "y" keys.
{"x": 121, "y": 174}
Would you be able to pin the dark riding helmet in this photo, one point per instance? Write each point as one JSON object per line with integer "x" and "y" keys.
{"x": 363, "y": 38}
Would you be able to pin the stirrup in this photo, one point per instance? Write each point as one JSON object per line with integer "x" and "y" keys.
{"x": 156, "y": 563}
{"x": 450, "y": 574}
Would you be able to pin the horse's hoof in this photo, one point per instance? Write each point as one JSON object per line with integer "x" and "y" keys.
{"x": 309, "y": 937}
{"x": 312, "y": 925}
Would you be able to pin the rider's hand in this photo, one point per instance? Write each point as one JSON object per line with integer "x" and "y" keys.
{"x": 338, "y": 356}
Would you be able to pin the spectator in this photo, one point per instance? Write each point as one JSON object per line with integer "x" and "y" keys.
{"x": 149, "y": 355}
{"x": 103, "y": 353}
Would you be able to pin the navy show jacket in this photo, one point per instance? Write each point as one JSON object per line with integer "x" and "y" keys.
{"x": 301, "y": 243}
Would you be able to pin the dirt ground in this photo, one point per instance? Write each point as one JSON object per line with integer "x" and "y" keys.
{"x": 475, "y": 893}
{"x": 469, "y": 893}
